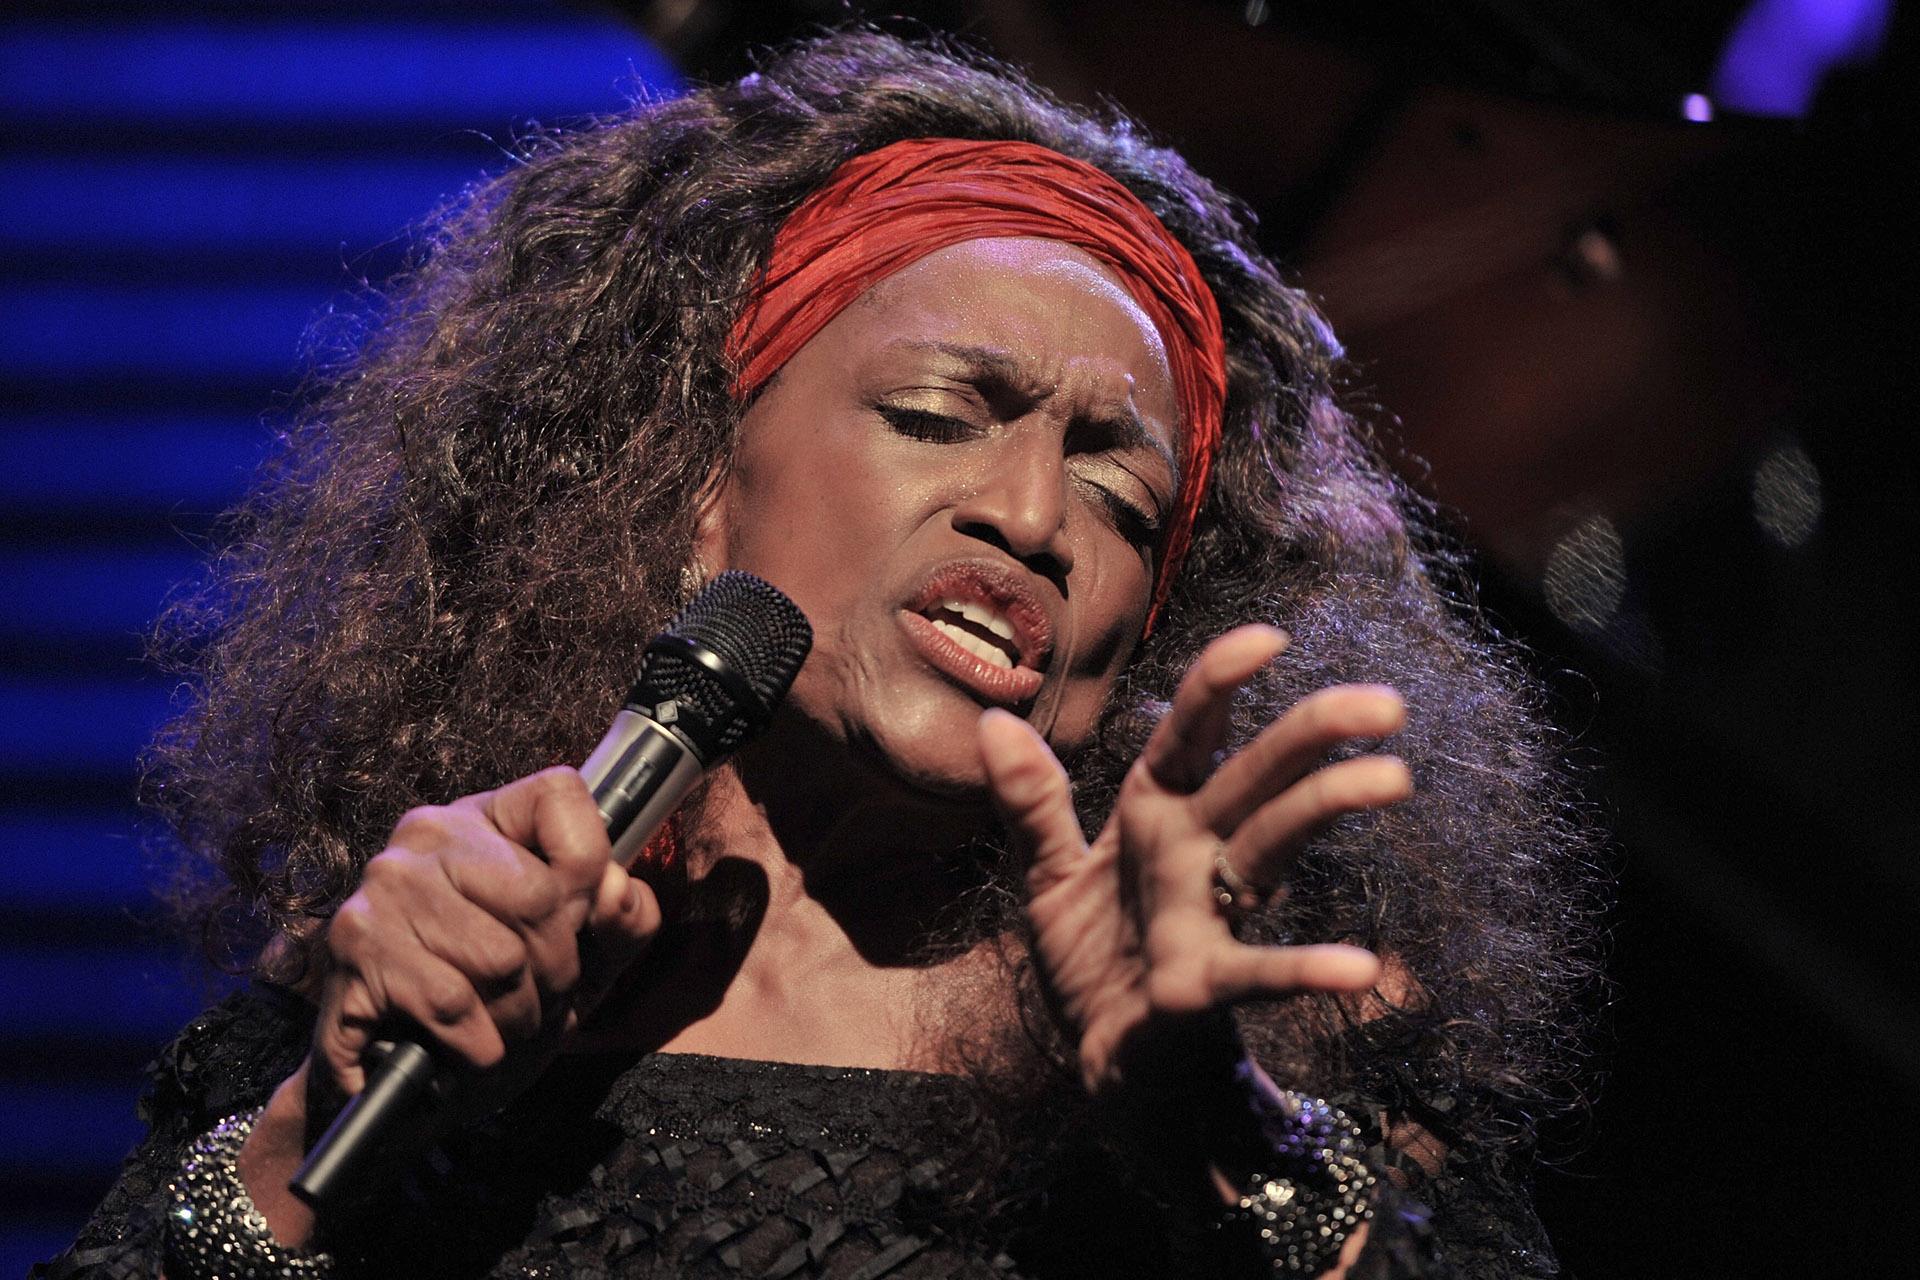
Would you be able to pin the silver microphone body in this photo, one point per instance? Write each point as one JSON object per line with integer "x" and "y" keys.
{"x": 639, "y": 774}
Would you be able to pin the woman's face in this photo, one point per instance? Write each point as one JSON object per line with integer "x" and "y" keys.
{"x": 961, "y": 480}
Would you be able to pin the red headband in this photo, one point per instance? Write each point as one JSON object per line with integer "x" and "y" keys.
{"x": 886, "y": 209}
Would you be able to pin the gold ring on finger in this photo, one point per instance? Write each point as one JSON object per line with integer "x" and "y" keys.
{"x": 1233, "y": 891}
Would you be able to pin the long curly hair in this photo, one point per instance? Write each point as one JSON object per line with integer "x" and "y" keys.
{"x": 481, "y": 513}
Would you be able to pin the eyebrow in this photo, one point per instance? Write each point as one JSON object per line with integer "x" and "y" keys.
{"x": 1130, "y": 428}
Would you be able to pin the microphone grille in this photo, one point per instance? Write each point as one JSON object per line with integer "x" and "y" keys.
{"x": 726, "y": 661}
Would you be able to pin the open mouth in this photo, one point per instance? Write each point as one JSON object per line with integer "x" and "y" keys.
{"x": 981, "y": 630}
{"x": 979, "y": 624}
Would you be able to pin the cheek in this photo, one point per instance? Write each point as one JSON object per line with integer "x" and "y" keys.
{"x": 787, "y": 499}
{"x": 1112, "y": 589}
{"x": 826, "y": 525}
{"x": 1108, "y": 613}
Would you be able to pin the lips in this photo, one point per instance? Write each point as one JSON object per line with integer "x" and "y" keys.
{"x": 978, "y": 623}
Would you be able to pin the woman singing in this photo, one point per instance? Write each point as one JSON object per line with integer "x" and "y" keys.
{"x": 1154, "y": 870}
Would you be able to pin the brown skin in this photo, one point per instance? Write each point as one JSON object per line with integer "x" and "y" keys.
{"x": 1000, "y": 402}
{"x": 875, "y": 458}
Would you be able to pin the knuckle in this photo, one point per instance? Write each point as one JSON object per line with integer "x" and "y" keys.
{"x": 500, "y": 959}
{"x": 577, "y": 863}
{"x": 539, "y": 897}
{"x": 387, "y": 865}
{"x": 487, "y": 1052}
{"x": 1222, "y": 971}
{"x": 557, "y": 782}
{"x": 1037, "y": 786}
{"x": 1325, "y": 794}
{"x": 422, "y": 826}
{"x": 564, "y": 973}
{"x": 351, "y": 928}
{"x": 396, "y": 869}
{"x": 357, "y": 1005}
{"x": 1322, "y": 713}
{"x": 447, "y": 999}
{"x": 515, "y": 1016}
{"x": 553, "y": 955}
{"x": 1358, "y": 782}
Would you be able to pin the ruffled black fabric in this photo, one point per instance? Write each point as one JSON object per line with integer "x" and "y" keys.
{"x": 228, "y": 1059}
{"x": 699, "y": 1167}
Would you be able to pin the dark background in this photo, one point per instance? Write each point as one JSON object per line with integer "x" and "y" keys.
{"x": 1652, "y": 363}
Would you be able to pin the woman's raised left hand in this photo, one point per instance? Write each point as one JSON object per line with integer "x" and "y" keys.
{"x": 1130, "y": 934}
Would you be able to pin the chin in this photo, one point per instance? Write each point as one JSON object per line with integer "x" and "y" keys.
{"x": 935, "y": 758}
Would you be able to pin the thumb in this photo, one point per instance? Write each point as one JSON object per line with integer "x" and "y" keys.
{"x": 1031, "y": 791}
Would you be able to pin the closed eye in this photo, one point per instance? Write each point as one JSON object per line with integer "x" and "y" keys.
{"x": 1118, "y": 454}
{"x": 1134, "y": 522}
{"x": 1137, "y": 522}
{"x": 920, "y": 424}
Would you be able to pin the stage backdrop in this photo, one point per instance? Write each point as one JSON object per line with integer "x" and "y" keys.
{"x": 184, "y": 191}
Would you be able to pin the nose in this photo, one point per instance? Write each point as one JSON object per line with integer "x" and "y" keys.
{"x": 1020, "y": 505}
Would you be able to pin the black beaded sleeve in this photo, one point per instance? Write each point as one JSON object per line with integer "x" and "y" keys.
{"x": 228, "y": 1059}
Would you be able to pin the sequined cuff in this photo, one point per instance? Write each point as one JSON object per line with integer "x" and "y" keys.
{"x": 1314, "y": 1189}
{"x": 214, "y": 1232}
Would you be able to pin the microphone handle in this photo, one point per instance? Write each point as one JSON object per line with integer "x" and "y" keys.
{"x": 639, "y": 774}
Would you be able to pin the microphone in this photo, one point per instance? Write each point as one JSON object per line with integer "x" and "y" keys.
{"x": 707, "y": 684}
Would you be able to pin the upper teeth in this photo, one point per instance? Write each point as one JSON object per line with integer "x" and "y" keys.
{"x": 980, "y": 615}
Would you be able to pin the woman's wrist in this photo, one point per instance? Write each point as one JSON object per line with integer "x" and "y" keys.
{"x": 1281, "y": 1177}
{"x": 214, "y": 1229}
{"x": 230, "y": 1212}
{"x": 271, "y": 1156}
{"x": 1297, "y": 1176}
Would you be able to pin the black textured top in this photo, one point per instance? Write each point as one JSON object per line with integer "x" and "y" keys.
{"x": 690, "y": 1166}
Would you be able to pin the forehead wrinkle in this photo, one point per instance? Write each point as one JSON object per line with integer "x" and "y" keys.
{"x": 1129, "y": 427}
{"x": 995, "y": 363}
